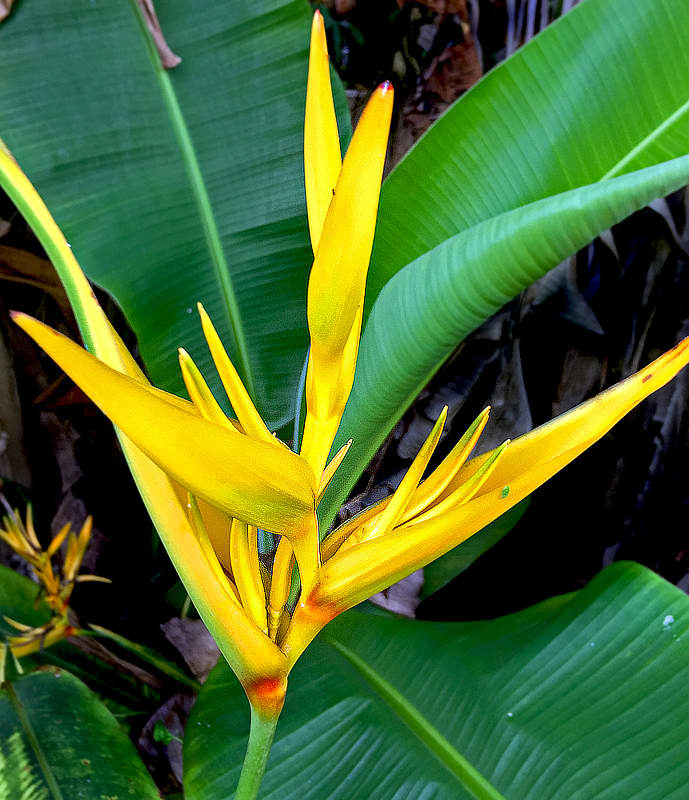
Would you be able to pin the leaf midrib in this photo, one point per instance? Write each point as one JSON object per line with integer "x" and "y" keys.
{"x": 203, "y": 203}
{"x": 459, "y": 766}
{"x": 27, "y": 727}
{"x": 647, "y": 140}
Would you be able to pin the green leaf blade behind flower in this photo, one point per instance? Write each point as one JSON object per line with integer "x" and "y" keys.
{"x": 68, "y": 743}
{"x": 427, "y": 308}
{"x": 575, "y": 698}
{"x": 174, "y": 187}
{"x": 602, "y": 92}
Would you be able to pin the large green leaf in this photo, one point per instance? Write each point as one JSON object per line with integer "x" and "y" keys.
{"x": 178, "y": 186}
{"x": 580, "y": 697}
{"x": 601, "y": 92}
{"x": 59, "y": 742}
{"x": 435, "y": 301}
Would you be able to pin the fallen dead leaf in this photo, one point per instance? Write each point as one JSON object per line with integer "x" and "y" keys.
{"x": 13, "y": 463}
{"x": 442, "y": 6}
{"x": 194, "y": 642}
{"x": 20, "y": 266}
{"x": 5, "y": 8}
{"x": 173, "y": 714}
{"x": 455, "y": 70}
{"x": 167, "y": 58}
{"x": 402, "y": 597}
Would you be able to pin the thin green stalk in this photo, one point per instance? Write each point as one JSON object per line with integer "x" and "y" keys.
{"x": 257, "y": 751}
{"x": 145, "y": 654}
{"x": 299, "y": 399}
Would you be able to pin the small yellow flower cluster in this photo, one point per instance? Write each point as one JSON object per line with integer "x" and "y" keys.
{"x": 56, "y": 582}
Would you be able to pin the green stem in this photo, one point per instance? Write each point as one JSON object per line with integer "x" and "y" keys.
{"x": 145, "y": 654}
{"x": 257, "y": 751}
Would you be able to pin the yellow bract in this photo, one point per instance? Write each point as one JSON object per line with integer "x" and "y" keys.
{"x": 210, "y": 481}
{"x": 339, "y": 271}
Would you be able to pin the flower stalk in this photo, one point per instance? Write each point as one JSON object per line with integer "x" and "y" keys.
{"x": 212, "y": 481}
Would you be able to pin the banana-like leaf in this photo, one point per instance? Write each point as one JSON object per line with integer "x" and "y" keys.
{"x": 176, "y": 186}
{"x": 601, "y": 92}
{"x": 434, "y": 302}
{"x": 580, "y": 697}
{"x": 58, "y": 741}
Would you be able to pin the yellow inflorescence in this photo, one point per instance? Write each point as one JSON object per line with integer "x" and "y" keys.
{"x": 212, "y": 482}
{"x": 57, "y": 582}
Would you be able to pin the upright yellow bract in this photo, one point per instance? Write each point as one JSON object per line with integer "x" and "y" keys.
{"x": 211, "y": 482}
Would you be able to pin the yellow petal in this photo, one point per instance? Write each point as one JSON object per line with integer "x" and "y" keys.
{"x": 426, "y": 493}
{"x": 464, "y": 493}
{"x": 322, "y": 159}
{"x": 341, "y": 263}
{"x": 199, "y": 528}
{"x": 280, "y": 585}
{"x": 18, "y": 626}
{"x": 23, "y": 647}
{"x": 440, "y": 478}
{"x": 331, "y": 469}
{"x": 29, "y": 528}
{"x": 247, "y": 575}
{"x": 249, "y": 652}
{"x": 339, "y": 271}
{"x": 242, "y": 404}
{"x": 583, "y": 425}
{"x": 249, "y": 479}
{"x": 98, "y": 333}
{"x": 352, "y": 576}
{"x": 393, "y": 511}
{"x": 201, "y": 395}
{"x": 217, "y": 525}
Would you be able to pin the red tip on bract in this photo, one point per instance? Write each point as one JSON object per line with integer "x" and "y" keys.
{"x": 317, "y": 15}
{"x": 14, "y": 315}
{"x": 385, "y": 87}
{"x": 267, "y": 695}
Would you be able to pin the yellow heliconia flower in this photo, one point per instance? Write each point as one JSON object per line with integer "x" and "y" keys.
{"x": 342, "y": 207}
{"x": 210, "y": 482}
{"x": 56, "y": 582}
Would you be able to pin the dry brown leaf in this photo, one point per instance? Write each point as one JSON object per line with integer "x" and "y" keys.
{"x": 455, "y": 70}
{"x": 5, "y": 8}
{"x": 173, "y": 714}
{"x": 24, "y": 267}
{"x": 343, "y": 6}
{"x": 194, "y": 642}
{"x": 442, "y": 6}
{"x": 13, "y": 463}
{"x": 167, "y": 58}
{"x": 402, "y": 597}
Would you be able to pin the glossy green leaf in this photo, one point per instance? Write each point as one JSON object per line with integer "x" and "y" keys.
{"x": 601, "y": 92}
{"x": 59, "y": 742}
{"x": 434, "y": 302}
{"x": 577, "y": 698}
{"x": 176, "y": 186}
{"x": 444, "y": 569}
{"x": 19, "y": 600}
